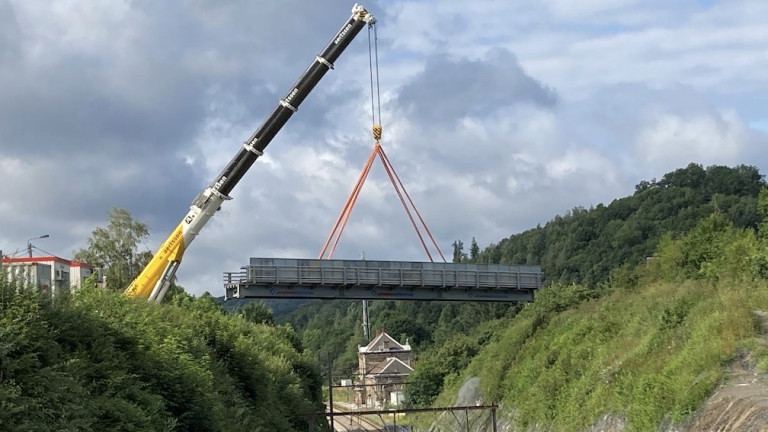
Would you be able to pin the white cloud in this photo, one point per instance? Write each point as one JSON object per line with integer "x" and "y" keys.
{"x": 586, "y": 9}
{"x": 673, "y": 141}
{"x": 580, "y": 163}
{"x": 497, "y": 116}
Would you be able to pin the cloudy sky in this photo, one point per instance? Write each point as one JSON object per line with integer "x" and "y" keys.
{"x": 497, "y": 115}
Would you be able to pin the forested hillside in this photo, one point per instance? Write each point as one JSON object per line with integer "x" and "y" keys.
{"x": 335, "y": 326}
{"x": 593, "y": 248}
{"x": 641, "y": 352}
{"x": 647, "y": 298}
{"x": 98, "y": 361}
{"x": 585, "y": 245}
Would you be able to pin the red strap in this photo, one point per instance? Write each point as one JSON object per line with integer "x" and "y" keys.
{"x": 347, "y": 210}
{"x": 341, "y": 222}
{"x": 386, "y": 162}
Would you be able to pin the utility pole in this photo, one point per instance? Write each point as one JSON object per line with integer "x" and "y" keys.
{"x": 493, "y": 416}
{"x": 330, "y": 388}
{"x": 366, "y": 324}
{"x": 29, "y": 243}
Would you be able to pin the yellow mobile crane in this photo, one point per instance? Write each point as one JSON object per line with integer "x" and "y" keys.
{"x": 153, "y": 281}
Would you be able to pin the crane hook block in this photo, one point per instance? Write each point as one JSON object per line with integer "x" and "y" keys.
{"x": 377, "y": 132}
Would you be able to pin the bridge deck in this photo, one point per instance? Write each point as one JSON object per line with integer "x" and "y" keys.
{"x": 400, "y": 280}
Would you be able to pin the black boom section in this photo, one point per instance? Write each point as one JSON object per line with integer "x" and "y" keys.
{"x": 260, "y": 139}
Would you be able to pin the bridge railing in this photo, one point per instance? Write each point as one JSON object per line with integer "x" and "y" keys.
{"x": 446, "y": 276}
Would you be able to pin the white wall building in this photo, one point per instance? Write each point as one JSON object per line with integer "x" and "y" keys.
{"x": 49, "y": 273}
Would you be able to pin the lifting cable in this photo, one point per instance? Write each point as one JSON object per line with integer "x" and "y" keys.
{"x": 376, "y": 126}
{"x": 341, "y": 222}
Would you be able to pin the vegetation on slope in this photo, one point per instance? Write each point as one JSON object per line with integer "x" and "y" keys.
{"x": 645, "y": 343}
{"x": 649, "y": 346}
{"x": 586, "y": 245}
{"x": 582, "y": 247}
{"x": 335, "y": 326}
{"x": 99, "y": 361}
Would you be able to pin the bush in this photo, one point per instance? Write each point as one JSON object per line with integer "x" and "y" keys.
{"x": 100, "y": 361}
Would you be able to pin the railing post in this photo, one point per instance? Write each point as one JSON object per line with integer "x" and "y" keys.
{"x": 330, "y": 387}
{"x": 493, "y": 417}
{"x": 277, "y": 275}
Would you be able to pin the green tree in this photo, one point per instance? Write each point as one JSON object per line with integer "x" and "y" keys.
{"x": 474, "y": 250}
{"x": 584, "y": 245}
{"x": 760, "y": 260}
{"x": 423, "y": 386}
{"x": 692, "y": 176}
{"x": 762, "y": 209}
{"x": 458, "y": 251}
{"x": 256, "y": 313}
{"x": 115, "y": 248}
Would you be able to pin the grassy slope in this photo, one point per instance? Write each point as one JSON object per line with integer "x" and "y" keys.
{"x": 650, "y": 352}
{"x": 648, "y": 346}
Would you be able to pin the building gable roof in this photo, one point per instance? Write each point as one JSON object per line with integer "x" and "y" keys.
{"x": 384, "y": 342}
{"x": 391, "y": 366}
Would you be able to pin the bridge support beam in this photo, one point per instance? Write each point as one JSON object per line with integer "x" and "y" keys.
{"x": 382, "y": 280}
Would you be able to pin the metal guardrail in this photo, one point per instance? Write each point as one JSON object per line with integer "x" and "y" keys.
{"x": 386, "y": 277}
{"x": 291, "y": 278}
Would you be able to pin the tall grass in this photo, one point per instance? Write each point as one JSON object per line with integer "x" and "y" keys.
{"x": 649, "y": 348}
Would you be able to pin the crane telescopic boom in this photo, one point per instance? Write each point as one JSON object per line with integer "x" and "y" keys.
{"x": 153, "y": 282}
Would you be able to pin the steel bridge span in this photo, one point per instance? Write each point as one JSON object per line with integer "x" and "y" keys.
{"x": 275, "y": 278}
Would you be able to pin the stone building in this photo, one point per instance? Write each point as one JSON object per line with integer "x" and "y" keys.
{"x": 384, "y": 366}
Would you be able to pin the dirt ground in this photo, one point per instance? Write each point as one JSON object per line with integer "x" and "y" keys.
{"x": 741, "y": 402}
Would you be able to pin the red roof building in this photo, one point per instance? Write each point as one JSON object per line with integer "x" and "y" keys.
{"x": 49, "y": 273}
